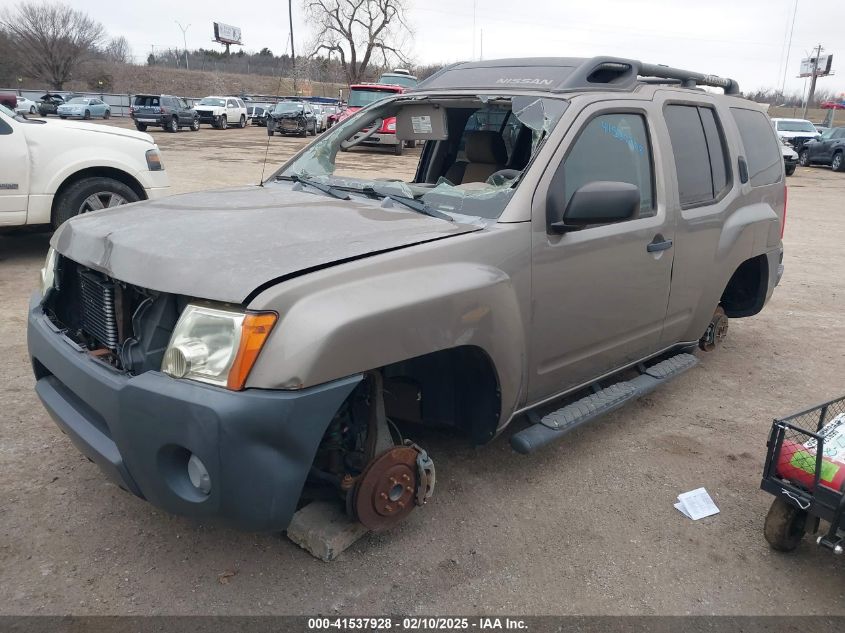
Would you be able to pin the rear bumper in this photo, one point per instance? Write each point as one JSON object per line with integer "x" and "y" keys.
{"x": 151, "y": 119}
{"x": 257, "y": 445}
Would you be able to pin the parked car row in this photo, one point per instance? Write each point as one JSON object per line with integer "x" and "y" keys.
{"x": 807, "y": 144}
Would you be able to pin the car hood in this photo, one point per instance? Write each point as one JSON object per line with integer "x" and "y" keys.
{"x": 224, "y": 245}
{"x": 52, "y": 124}
{"x": 784, "y": 134}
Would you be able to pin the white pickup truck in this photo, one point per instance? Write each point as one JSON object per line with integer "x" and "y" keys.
{"x": 54, "y": 170}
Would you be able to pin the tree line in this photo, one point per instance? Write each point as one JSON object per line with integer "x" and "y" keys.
{"x": 352, "y": 41}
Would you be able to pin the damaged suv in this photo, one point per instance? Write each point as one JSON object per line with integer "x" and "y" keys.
{"x": 569, "y": 231}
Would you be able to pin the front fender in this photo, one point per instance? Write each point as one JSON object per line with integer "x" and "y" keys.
{"x": 57, "y": 170}
{"x": 378, "y": 320}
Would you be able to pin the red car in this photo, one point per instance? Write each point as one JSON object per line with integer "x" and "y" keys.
{"x": 362, "y": 95}
{"x": 9, "y": 100}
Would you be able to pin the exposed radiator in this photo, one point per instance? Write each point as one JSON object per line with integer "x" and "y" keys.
{"x": 98, "y": 313}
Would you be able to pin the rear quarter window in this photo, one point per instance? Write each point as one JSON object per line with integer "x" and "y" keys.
{"x": 765, "y": 161}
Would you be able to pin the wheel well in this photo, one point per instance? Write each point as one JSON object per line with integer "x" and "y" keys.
{"x": 745, "y": 293}
{"x": 102, "y": 172}
{"x": 457, "y": 387}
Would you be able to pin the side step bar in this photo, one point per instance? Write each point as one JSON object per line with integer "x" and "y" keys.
{"x": 558, "y": 423}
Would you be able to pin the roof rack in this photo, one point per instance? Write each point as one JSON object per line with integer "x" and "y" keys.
{"x": 567, "y": 74}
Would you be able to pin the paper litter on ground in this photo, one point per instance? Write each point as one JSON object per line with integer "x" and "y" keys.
{"x": 696, "y": 504}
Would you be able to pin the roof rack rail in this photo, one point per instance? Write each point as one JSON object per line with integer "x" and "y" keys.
{"x": 568, "y": 74}
{"x": 624, "y": 73}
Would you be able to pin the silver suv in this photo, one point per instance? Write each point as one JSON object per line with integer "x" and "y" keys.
{"x": 568, "y": 233}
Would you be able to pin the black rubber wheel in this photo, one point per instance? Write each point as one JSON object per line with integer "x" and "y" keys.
{"x": 790, "y": 169}
{"x": 62, "y": 117}
{"x": 32, "y": 109}
{"x": 87, "y": 114}
{"x": 173, "y": 125}
{"x": 838, "y": 162}
{"x": 804, "y": 158}
{"x": 269, "y": 132}
{"x": 785, "y": 526}
{"x": 107, "y": 114}
{"x": 141, "y": 127}
{"x": 397, "y": 149}
{"x": 78, "y": 197}
{"x": 242, "y": 122}
{"x": 224, "y": 123}
{"x": 195, "y": 125}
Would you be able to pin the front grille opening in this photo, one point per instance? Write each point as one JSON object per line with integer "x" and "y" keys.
{"x": 122, "y": 325}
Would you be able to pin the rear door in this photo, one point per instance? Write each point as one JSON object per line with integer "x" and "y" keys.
{"x": 14, "y": 175}
{"x": 232, "y": 111}
{"x": 600, "y": 293}
{"x": 701, "y": 164}
{"x": 147, "y": 109}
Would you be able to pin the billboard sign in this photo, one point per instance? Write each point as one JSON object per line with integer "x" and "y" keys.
{"x": 825, "y": 65}
{"x": 227, "y": 34}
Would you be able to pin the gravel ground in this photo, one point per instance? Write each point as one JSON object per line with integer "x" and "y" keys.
{"x": 585, "y": 527}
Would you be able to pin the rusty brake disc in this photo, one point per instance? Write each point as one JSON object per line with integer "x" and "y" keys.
{"x": 385, "y": 492}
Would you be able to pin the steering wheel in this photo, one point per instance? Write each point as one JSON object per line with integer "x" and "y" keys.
{"x": 500, "y": 177}
{"x": 375, "y": 126}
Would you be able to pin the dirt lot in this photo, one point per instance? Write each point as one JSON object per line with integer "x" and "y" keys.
{"x": 587, "y": 526}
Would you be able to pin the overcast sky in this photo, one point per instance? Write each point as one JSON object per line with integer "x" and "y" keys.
{"x": 743, "y": 39}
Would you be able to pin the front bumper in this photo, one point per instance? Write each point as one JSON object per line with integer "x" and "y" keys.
{"x": 208, "y": 117}
{"x": 257, "y": 445}
{"x": 379, "y": 139}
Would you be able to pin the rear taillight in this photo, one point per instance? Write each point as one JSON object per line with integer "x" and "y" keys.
{"x": 131, "y": 110}
{"x": 783, "y": 219}
{"x": 163, "y": 110}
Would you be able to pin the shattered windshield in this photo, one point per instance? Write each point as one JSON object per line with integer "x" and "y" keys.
{"x": 461, "y": 156}
{"x": 360, "y": 97}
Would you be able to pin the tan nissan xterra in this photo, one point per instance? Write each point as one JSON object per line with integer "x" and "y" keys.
{"x": 573, "y": 229}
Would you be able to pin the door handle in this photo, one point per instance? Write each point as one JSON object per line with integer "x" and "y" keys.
{"x": 659, "y": 244}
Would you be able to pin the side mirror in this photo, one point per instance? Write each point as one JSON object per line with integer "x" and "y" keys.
{"x": 597, "y": 202}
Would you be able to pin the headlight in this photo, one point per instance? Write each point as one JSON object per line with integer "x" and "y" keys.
{"x": 216, "y": 345}
{"x": 154, "y": 160}
{"x": 48, "y": 273}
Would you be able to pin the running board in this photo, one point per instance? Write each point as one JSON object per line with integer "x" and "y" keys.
{"x": 558, "y": 423}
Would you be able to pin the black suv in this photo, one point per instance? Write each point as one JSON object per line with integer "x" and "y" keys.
{"x": 292, "y": 117}
{"x": 827, "y": 149}
{"x": 165, "y": 111}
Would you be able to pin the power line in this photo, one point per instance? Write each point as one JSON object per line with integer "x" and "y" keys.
{"x": 788, "y": 48}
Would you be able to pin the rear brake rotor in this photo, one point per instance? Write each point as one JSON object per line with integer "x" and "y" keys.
{"x": 386, "y": 490}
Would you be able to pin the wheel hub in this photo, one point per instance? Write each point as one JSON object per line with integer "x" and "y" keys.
{"x": 716, "y": 332}
{"x": 392, "y": 485}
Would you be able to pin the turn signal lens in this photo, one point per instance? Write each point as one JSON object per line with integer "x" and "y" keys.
{"x": 255, "y": 329}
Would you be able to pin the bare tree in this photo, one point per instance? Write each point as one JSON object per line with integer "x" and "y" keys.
{"x": 118, "y": 50}
{"x": 51, "y": 39}
{"x": 359, "y": 30}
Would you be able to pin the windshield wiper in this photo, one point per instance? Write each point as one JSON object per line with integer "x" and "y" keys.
{"x": 412, "y": 203}
{"x": 334, "y": 193}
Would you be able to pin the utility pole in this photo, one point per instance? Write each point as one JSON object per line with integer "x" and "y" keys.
{"x": 184, "y": 41}
{"x": 819, "y": 50}
{"x": 292, "y": 50}
{"x": 474, "y": 5}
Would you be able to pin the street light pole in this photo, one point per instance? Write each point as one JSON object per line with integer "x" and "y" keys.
{"x": 184, "y": 41}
